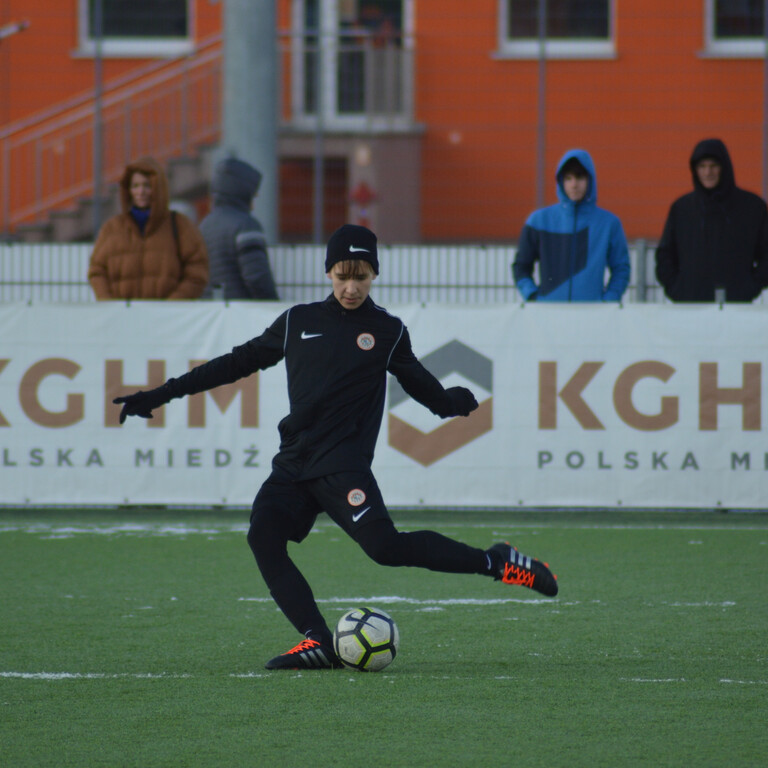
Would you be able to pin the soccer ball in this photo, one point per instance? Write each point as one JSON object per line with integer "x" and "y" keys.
{"x": 366, "y": 639}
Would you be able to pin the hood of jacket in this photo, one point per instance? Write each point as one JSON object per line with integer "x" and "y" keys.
{"x": 717, "y": 150}
{"x": 160, "y": 197}
{"x": 234, "y": 183}
{"x": 586, "y": 160}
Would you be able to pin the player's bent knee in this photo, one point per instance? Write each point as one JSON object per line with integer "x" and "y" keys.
{"x": 383, "y": 556}
{"x": 260, "y": 539}
{"x": 253, "y": 538}
{"x": 383, "y": 544}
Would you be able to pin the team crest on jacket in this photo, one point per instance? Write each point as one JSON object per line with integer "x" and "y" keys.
{"x": 366, "y": 341}
{"x": 356, "y": 497}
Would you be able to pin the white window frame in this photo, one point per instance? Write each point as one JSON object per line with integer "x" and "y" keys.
{"x": 583, "y": 48}
{"x": 733, "y": 48}
{"x": 133, "y": 48}
{"x": 329, "y": 117}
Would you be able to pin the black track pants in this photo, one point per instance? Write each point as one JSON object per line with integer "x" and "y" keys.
{"x": 380, "y": 540}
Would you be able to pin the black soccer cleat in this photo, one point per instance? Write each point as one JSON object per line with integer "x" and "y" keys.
{"x": 308, "y": 654}
{"x": 513, "y": 567}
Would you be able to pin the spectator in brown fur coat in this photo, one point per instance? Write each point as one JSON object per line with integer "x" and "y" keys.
{"x": 147, "y": 251}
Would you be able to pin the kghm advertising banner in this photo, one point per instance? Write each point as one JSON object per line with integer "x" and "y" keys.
{"x": 592, "y": 405}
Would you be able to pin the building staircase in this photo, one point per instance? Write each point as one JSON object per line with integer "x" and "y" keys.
{"x": 169, "y": 110}
{"x": 188, "y": 178}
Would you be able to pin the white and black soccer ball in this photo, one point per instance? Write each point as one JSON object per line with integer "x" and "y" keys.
{"x": 366, "y": 639}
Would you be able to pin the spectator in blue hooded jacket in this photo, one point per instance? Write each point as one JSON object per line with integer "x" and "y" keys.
{"x": 574, "y": 242}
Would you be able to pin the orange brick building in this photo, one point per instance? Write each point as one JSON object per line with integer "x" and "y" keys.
{"x": 442, "y": 120}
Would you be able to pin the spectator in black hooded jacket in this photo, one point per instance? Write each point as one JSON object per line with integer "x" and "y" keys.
{"x": 715, "y": 237}
{"x": 237, "y": 249}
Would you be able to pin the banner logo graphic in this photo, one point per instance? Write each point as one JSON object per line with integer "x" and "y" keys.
{"x": 429, "y": 447}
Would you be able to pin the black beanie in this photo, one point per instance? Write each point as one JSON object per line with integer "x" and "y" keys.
{"x": 352, "y": 241}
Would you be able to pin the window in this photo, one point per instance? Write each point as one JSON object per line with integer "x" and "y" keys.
{"x": 738, "y": 18}
{"x": 351, "y": 61}
{"x": 571, "y": 28}
{"x": 735, "y": 28}
{"x": 136, "y": 28}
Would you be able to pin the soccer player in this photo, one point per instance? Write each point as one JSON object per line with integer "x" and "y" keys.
{"x": 337, "y": 353}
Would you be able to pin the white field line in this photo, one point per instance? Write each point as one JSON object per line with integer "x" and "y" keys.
{"x": 707, "y": 604}
{"x": 472, "y": 601}
{"x": 181, "y": 529}
{"x": 92, "y": 676}
{"x": 743, "y": 682}
{"x": 660, "y": 680}
{"x": 396, "y": 599}
{"x": 59, "y": 676}
{"x": 51, "y": 530}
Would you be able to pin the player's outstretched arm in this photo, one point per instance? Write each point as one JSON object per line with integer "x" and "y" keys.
{"x": 257, "y": 354}
{"x": 423, "y": 387}
{"x": 445, "y": 403}
{"x": 461, "y": 402}
{"x": 142, "y": 403}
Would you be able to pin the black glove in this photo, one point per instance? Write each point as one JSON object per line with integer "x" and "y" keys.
{"x": 142, "y": 403}
{"x": 462, "y": 401}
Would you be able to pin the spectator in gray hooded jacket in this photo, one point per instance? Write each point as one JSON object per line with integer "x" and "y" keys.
{"x": 237, "y": 249}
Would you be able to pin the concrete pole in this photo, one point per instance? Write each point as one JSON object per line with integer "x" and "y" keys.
{"x": 541, "y": 117}
{"x": 98, "y": 116}
{"x": 250, "y": 106}
{"x": 765, "y": 99}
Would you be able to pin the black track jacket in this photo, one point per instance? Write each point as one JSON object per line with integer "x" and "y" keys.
{"x": 336, "y": 362}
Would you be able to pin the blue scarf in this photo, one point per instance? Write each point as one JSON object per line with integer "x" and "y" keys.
{"x": 140, "y": 216}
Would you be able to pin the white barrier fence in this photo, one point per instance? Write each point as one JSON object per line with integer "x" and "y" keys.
{"x": 463, "y": 274}
{"x": 593, "y": 405}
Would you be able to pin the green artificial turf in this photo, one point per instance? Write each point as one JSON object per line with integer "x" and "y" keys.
{"x": 138, "y": 638}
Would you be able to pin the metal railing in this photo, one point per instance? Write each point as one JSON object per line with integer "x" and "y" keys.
{"x": 165, "y": 110}
{"x": 471, "y": 274}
